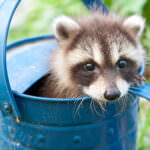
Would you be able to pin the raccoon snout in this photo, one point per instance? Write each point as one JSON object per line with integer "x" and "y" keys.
{"x": 112, "y": 94}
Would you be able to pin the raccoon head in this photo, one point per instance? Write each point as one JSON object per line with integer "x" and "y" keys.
{"x": 99, "y": 55}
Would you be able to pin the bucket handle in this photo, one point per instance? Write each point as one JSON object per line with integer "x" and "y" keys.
{"x": 96, "y": 4}
{"x": 7, "y": 100}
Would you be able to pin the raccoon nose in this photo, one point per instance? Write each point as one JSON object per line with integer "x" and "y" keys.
{"x": 112, "y": 94}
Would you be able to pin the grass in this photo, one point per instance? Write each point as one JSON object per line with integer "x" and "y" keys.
{"x": 38, "y": 20}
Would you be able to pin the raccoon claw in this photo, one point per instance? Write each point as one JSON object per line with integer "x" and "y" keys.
{"x": 140, "y": 80}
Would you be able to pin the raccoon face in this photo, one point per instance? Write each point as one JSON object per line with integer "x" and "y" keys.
{"x": 99, "y": 55}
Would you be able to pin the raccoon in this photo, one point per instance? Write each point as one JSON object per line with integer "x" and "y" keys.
{"x": 97, "y": 56}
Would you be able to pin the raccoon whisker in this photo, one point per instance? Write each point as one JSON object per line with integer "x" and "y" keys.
{"x": 79, "y": 106}
{"x": 131, "y": 95}
{"x": 125, "y": 99}
{"x": 91, "y": 104}
{"x": 121, "y": 102}
{"x": 138, "y": 80}
{"x": 102, "y": 105}
{"x": 94, "y": 107}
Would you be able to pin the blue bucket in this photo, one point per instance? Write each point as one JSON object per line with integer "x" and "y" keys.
{"x": 36, "y": 123}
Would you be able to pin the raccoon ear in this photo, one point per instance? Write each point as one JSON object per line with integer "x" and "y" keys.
{"x": 64, "y": 27}
{"x": 136, "y": 24}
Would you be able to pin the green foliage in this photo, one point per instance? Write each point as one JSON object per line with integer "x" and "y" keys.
{"x": 146, "y": 11}
{"x": 127, "y": 7}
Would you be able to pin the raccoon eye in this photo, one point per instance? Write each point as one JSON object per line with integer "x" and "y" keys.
{"x": 122, "y": 64}
{"x": 89, "y": 67}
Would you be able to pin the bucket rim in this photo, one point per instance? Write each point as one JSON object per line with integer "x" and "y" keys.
{"x": 47, "y": 99}
{"x": 29, "y": 40}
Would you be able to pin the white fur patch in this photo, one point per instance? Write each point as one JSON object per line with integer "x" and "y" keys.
{"x": 114, "y": 53}
{"x": 136, "y": 54}
{"x": 122, "y": 85}
{"x": 68, "y": 23}
{"x": 98, "y": 57}
{"x": 77, "y": 56}
{"x": 60, "y": 68}
{"x": 96, "y": 90}
{"x": 135, "y": 21}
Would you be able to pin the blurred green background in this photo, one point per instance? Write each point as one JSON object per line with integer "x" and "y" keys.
{"x": 34, "y": 17}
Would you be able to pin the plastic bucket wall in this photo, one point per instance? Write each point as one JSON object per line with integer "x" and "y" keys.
{"x": 56, "y": 124}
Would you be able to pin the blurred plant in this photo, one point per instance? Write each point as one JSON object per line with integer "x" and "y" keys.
{"x": 40, "y": 15}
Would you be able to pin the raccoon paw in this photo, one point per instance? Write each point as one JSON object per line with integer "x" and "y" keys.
{"x": 139, "y": 80}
